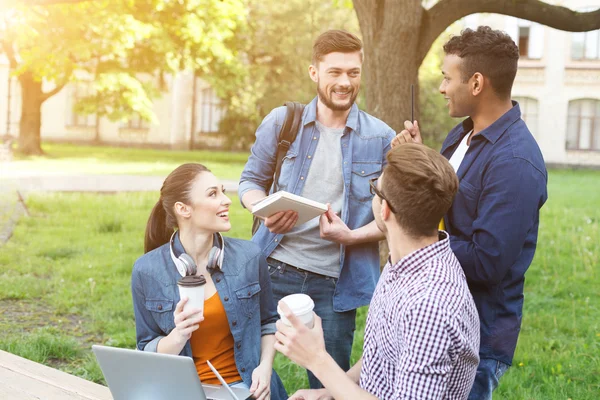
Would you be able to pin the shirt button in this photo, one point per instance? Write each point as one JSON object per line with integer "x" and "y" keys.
{"x": 276, "y": 240}
{"x": 301, "y": 178}
{"x": 239, "y": 345}
{"x": 159, "y": 307}
{"x": 249, "y": 293}
{"x": 218, "y": 280}
{"x": 243, "y": 369}
{"x": 234, "y": 323}
{"x": 226, "y": 298}
{"x": 309, "y": 156}
{"x": 314, "y": 138}
{"x": 362, "y": 172}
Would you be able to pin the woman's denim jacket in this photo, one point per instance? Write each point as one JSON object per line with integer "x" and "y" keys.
{"x": 243, "y": 284}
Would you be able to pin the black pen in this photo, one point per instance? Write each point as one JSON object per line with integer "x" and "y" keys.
{"x": 412, "y": 103}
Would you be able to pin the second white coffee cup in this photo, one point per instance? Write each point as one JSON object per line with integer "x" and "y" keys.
{"x": 302, "y": 306}
{"x": 192, "y": 287}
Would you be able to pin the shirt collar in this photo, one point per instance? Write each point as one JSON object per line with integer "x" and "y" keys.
{"x": 351, "y": 121}
{"x": 411, "y": 263}
{"x": 493, "y": 132}
{"x": 178, "y": 247}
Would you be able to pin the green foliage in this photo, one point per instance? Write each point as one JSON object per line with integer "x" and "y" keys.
{"x": 124, "y": 46}
{"x": 434, "y": 120}
{"x": 276, "y": 46}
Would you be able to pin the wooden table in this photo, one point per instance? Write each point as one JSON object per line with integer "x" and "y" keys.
{"x": 24, "y": 379}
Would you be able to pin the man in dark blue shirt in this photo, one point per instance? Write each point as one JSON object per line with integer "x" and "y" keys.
{"x": 493, "y": 222}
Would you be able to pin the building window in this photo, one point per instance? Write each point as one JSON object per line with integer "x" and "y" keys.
{"x": 210, "y": 113}
{"x": 524, "y": 41}
{"x": 135, "y": 122}
{"x": 529, "y": 112}
{"x": 529, "y": 36}
{"x": 79, "y": 91}
{"x": 585, "y": 45}
{"x": 583, "y": 125}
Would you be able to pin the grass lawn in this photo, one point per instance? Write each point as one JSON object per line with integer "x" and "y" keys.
{"x": 69, "y": 159}
{"x": 64, "y": 285}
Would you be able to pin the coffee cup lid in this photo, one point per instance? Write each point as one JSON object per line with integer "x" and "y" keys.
{"x": 192, "y": 281}
{"x": 299, "y": 303}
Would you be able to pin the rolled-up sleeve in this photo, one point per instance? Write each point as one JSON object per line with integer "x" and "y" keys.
{"x": 513, "y": 192}
{"x": 390, "y": 135}
{"x": 258, "y": 171}
{"x": 268, "y": 308}
{"x": 147, "y": 332}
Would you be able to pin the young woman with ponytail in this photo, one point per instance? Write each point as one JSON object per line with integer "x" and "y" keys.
{"x": 236, "y": 331}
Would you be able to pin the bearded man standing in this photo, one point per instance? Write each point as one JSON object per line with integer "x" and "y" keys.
{"x": 337, "y": 151}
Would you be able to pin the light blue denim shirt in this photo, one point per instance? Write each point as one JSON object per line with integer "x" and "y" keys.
{"x": 365, "y": 143}
{"x": 243, "y": 285}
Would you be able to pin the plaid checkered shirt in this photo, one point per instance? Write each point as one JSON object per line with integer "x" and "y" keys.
{"x": 422, "y": 331}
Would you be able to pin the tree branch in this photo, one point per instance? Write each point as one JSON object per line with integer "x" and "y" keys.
{"x": 10, "y": 53}
{"x": 445, "y": 12}
{"x": 59, "y": 86}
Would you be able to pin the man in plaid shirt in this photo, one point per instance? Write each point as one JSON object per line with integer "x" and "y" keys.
{"x": 422, "y": 331}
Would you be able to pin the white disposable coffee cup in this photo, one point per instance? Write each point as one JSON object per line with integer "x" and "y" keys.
{"x": 192, "y": 287}
{"x": 302, "y": 306}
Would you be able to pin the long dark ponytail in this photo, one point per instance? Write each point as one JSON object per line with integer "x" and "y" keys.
{"x": 176, "y": 187}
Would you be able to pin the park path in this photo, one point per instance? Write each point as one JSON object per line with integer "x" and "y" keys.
{"x": 16, "y": 185}
{"x": 26, "y": 182}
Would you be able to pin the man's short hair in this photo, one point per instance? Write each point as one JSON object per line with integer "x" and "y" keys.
{"x": 335, "y": 41}
{"x": 490, "y": 52}
{"x": 420, "y": 184}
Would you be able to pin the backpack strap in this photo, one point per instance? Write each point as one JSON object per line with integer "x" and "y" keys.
{"x": 287, "y": 135}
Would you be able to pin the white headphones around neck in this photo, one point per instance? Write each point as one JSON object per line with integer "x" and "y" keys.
{"x": 185, "y": 263}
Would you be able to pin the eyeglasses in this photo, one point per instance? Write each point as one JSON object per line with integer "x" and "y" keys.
{"x": 374, "y": 190}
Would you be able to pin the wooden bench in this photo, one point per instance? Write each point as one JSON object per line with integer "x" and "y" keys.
{"x": 24, "y": 379}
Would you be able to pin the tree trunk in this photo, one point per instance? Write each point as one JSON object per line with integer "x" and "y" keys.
{"x": 391, "y": 40}
{"x": 32, "y": 98}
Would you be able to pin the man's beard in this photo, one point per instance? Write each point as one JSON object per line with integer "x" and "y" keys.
{"x": 333, "y": 106}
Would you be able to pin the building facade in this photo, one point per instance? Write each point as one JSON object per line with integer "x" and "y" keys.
{"x": 557, "y": 84}
{"x": 188, "y": 105}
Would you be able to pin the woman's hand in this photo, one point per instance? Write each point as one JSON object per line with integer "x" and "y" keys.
{"x": 186, "y": 322}
{"x": 261, "y": 382}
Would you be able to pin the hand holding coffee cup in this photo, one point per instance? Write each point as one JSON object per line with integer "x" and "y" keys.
{"x": 300, "y": 338}
{"x": 301, "y": 306}
{"x": 186, "y": 322}
{"x": 192, "y": 287}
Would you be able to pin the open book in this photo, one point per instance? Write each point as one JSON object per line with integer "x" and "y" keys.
{"x": 283, "y": 201}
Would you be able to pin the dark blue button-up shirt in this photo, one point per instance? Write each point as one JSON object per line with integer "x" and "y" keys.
{"x": 494, "y": 221}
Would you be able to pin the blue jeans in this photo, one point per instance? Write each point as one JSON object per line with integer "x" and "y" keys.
{"x": 489, "y": 373}
{"x": 338, "y": 328}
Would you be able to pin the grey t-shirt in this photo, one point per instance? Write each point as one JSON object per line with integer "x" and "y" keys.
{"x": 303, "y": 247}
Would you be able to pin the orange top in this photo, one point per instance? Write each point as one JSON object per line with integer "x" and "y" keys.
{"x": 213, "y": 341}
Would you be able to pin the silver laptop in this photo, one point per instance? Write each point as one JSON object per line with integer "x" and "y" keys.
{"x": 141, "y": 375}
